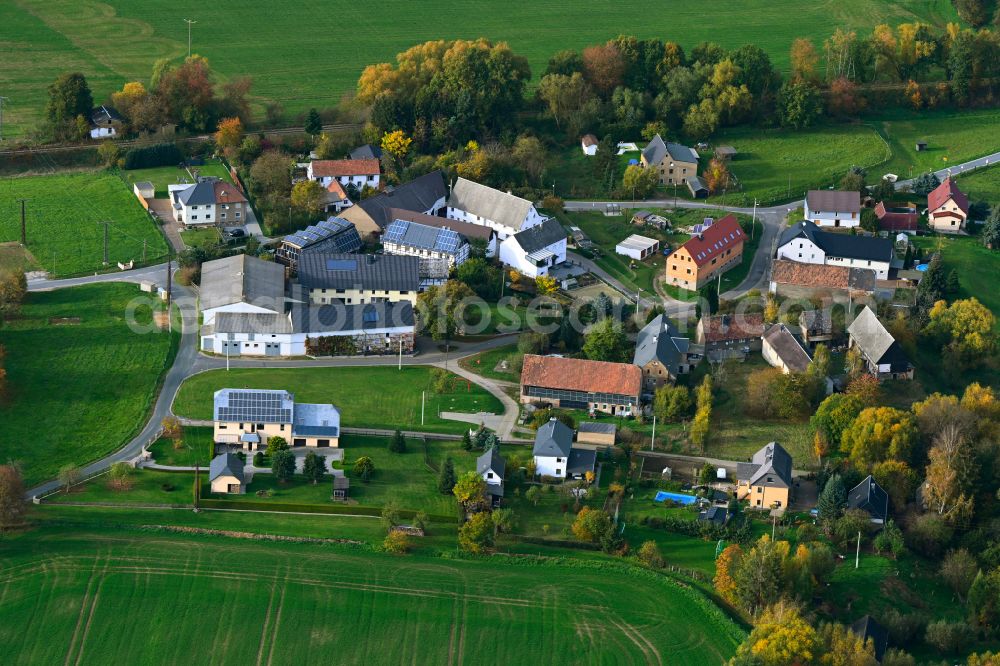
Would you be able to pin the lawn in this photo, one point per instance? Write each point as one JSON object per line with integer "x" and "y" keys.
{"x": 203, "y": 238}
{"x": 161, "y": 177}
{"x": 368, "y": 397}
{"x": 485, "y": 363}
{"x": 64, "y": 220}
{"x": 86, "y": 594}
{"x": 195, "y": 446}
{"x": 982, "y": 185}
{"x": 79, "y": 389}
{"x": 118, "y": 41}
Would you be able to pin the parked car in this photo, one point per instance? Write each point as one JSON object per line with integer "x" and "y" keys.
{"x": 236, "y": 233}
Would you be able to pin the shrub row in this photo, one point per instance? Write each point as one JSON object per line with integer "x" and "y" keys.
{"x": 737, "y": 530}
{"x": 335, "y": 509}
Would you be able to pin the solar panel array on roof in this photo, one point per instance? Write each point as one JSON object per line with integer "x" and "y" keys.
{"x": 259, "y": 406}
{"x": 422, "y": 236}
{"x": 698, "y": 228}
{"x": 346, "y": 240}
{"x": 708, "y": 222}
{"x": 341, "y": 264}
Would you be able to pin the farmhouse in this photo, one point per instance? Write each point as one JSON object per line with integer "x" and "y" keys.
{"x": 673, "y": 162}
{"x": 662, "y": 353}
{"x": 589, "y": 144}
{"x": 739, "y": 332}
{"x": 766, "y": 481}
{"x": 333, "y": 234}
{"x": 897, "y": 219}
{"x": 356, "y": 173}
{"x": 358, "y": 278}
{"x": 245, "y": 418}
{"x": 833, "y": 208}
{"x": 697, "y": 188}
{"x": 225, "y": 474}
{"x": 535, "y": 250}
{"x": 208, "y": 201}
{"x": 491, "y": 466}
{"x": 105, "y": 123}
{"x": 556, "y": 457}
{"x": 438, "y": 249}
{"x": 838, "y": 283}
{"x": 869, "y": 497}
{"x": 336, "y": 198}
{"x": 425, "y": 194}
{"x": 241, "y": 284}
{"x": 883, "y": 357}
{"x": 806, "y": 243}
{"x": 501, "y": 211}
{"x": 713, "y": 250}
{"x": 571, "y": 383}
{"x": 783, "y": 350}
{"x": 947, "y": 208}
{"x": 637, "y": 247}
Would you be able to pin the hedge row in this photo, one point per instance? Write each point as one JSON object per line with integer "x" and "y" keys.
{"x": 738, "y": 528}
{"x": 156, "y": 155}
{"x": 337, "y": 509}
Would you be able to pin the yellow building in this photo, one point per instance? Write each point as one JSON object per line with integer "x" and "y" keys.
{"x": 674, "y": 164}
{"x": 766, "y": 481}
{"x": 246, "y": 418}
{"x": 225, "y": 475}
{"x": 354, "y": 279}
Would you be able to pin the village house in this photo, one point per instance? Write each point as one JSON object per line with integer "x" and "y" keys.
{"x": 783, "y": 350}
{"x": 947, "y": 208}
{"x": 336, "y": 198}
{"x": 491, "y": 466}
{"x": 589, "y": 144}
{"x": 713, "y": 250}
{"x": 571, "y": 383}
{"x": 730, "y": 333}
{"x": 246, "y": 418}
{"x": 208, "y": 201}
{"x": 833, "y": 208}
{"x": 225, "y": 474}
{"x": 105, "y": 123}
{"x": 837, "y": 283}
{"x": 501, "y": 211}
{"x": 356, "y": 173}
{"x": 359, "y": 278}
{"x": 333, "y": 234}
{"x": 766, "y": 481}
{"x": 673, "y": 163}
{"x": 806, "y": 243}
{"x": 884, "y": 358}
{"x": 816, "y": 326}
{"x": 869, "y": 497}
{"x": 662, "y": 354}
{"x": 897, "y": 219}
{"x": 535, "y": 250}
{"x": 425, "y": 194}
{"x": 437, "y": 248}
{"x": 556, "y": 457}
{"x": 473, "y": 234}
{"x": 241, "y": 284}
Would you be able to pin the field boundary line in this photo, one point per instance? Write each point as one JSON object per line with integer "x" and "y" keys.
{"x": 277, "y": 618}
{"x": 267, "y": 622}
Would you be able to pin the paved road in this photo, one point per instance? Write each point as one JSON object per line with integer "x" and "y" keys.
{"x": 957, "y": 169}
{"x": 157, "y": 274}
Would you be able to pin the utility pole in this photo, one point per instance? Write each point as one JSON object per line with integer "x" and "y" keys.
{"x": 169, "y": 286}
{"x": 423, "y": 398}
{"x": 105, "y": 241}
{"x": 190, "y": 23}
{"x": 652, "y": 440}
{"x": 24, "y": 237}
{"x": 2, "y": 100}
{"x": 857, "y": 555}
{"x": 400, "y": 353}
{"x": 753, "y": 222}
{"x": 144, "y": 250}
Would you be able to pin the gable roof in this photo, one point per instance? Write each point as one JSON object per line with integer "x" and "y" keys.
{"x": 464, "y": 229}
{"x": 420, "y": 194}
{"x": 581, "y": 375}
{"x": 554, "y": 439}
{"x": 681, "y": 153}
{"x": 869, "y": 496}
{"x": 896, "y": 219}
{"x": 226, "y": 464}
{"x": 838, "y": 244}
{"x": 659, "y": 340}
{"x": 339, "y": 168}
{"x": 335, "y": 192}
{"x": 785, "y": 271}
{"x": 489, "y": 203}
{"x": 788, "y": 348}
{"x": 834, "y": 201}
{"x": 366, "y": 152}
{"x": 867, "y": 628}
{"x": 201, "y": 193}
{"x": 253, "y": 405}
{"x": 732, "y": 327}
{"x": 540, "y": 236}
{"x": 322, "y": 270}
{"x": 105, "y": 114}
{"x": 769, "y": 462}
{"x": 715, "y": 240}
{"x": 274, "y": 323}
{"x": 597, "y": 428}
{"x": 344, "y": 232}
{"x": 655, "y": 151}
{"x": 422, "y": 236}
{"x": 589, "y": 140}
{"x": 580, "y": 461}
{"x": 227, "y": 193}
{"x": 242, "y": 279}
{"x": 947, "y": 190}
{"x": 870, "y": 335}
{"x": 491, "y": 460}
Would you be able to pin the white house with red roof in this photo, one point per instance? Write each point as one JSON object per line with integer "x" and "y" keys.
{"x": 346, "y": 172}
{"x": 947, "y": 208}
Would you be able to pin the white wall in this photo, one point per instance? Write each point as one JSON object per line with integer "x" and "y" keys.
{"x": 802, "y": 250}
{"x": 881, "y": 268}
{"x": 208, "y": 316}
{"x": 496, "y": 480}
{"x": 511, "y": 254}
{"x": 829, "y": 218}
{"x": 550, "y": 466}
{"x": 533, "y": 218}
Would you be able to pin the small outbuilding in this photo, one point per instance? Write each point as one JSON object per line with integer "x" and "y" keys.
{"x": 589, "y": 144}
{"x": 225, "y": 474}
{"x": 921, "y": 146}
{"x": 725, "y": 152}
{"x": 341, "y": 485}
{"x": 638, "y": 247}
{"x": 602, "y": 434}
{"x": 697, "y": 188}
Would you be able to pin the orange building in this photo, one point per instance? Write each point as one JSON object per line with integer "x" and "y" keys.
{"x": 713, "y": 250}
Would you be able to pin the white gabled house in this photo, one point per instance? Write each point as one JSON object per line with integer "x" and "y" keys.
{"x": 492, "y": 466}
{"x": 556, "y": 457}
{"x": 535, "y": 250}
{"x": 358, "y": 173}
{"x": 833, "y": 208}
{"x": 501, "y": 211}
{"x": 806, "y": 243}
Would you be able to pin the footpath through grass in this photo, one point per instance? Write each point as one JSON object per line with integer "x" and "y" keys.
{"x": 367, "y": 396}
{"x": 81, "y": 382}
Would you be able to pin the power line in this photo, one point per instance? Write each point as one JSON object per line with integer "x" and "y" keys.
{"x": 190, "y": 23}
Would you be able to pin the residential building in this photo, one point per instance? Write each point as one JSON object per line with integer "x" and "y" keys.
{"x": 947, "y": 208}
{"x": 673, "y": 162}
{"x": 570, "y": 383}
{"x": 599, "y": 434}
{"x": 336, "y": 198}
{"x": 492, "y": 466}
{"x": 241, "y": 284}
{"x": 837, "y": 283}
{"x": 662, "y": 354}
{"x": 738, "y": 332}
{"x": 897, "y": 219}
{"x": 501, "y": 211}
{"x": 869, "y": 497}
{"x": 766, "y": 481}
{"x": 589, "y": 144}
{"x": 366, "y": 152}
{"x": 867, "y": 629}
{"x": 105, "y": 123}
{"x": 333, "y": 234}
{"x": 637, "y": 247}
{"x": 246, "y": 418}
{"x": 356, "y": 173}
{"x": 359, "y": 278}
{"x": 535, "y": 250}
{"x": 783, "y": 350}
{"x": 816, "y": 326}
{"x": 556, "y": 457}
{"x": 806, "y": 243}
{"x": 474, "y": 234}
{"x": 882, "y": 355}
{"x": 833, "y": 208}
{"x": 714, "y": 249}
{"x": 225, "y": 474}
{"x": 208, "y": 201}
{"x": 438, "y": 249}
{"x": 425, "y": 194}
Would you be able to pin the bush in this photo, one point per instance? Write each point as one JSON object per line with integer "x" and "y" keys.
{"x": 167, "y": 487}
{"x": 949, "y": 637}
{"x": 159, "y": 154}
{"x": 903, "y": 627}
{"x": 396, "y": 542}
{"x": 258, "y": 459}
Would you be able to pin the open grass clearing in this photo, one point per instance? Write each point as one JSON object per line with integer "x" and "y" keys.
{"x": 195, "y": 445}
{"x": 982, "y": 185}
{"x": 201, "y": 238}
{"x": 163, "y": 176}
{"x": 78, "y": 391}
{"x": 485, "y": 363}
{"x": 65, "y": 216}
{"x": 368, "y": 397}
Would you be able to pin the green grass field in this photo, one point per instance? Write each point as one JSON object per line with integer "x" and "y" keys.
{"x": 368, "y": 397}
{"x": 78, "y": 390}
{"x": 196, "y": 446}
{"x": 982, "y": 185}
{"x": 951, "y": 137}
{"x": 64, "y": 216}
{"x": 101, "y": 596}
{"x": 297, "y": 61}
{"x": 161, "y": 177}
{"x": 485, "y": 363}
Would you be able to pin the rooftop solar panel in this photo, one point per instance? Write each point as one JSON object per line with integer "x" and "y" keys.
{"x": 341, "y": 264}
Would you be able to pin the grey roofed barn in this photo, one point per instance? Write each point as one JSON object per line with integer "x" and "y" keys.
{"x": 382, "y": 272}
{"x": 242, "y": 279}
{"x": 788, "y": 348}
{"x": 875, "y": 341}
{"x": 272, "y": 323}
{"x": 553, "y": 440}
{"x": 489, "y": 203}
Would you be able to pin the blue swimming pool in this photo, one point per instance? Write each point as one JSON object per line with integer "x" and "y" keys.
{"x": 663, "y": 496}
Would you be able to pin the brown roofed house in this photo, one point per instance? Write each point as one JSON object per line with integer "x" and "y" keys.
{"x": 714, "y": 249}
{"x": 794, "y": 280}
{"x": 358, "y": 173}
{"x": 897, "y": 219}
{"x": 730, "y": 332}
{"x": 572, "y": 383}
{"x": 947, "y": 208}
{"x": 833, "y": 208}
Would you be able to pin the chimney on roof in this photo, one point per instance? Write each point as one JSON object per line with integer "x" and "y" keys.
{"x": 371, "y": 258}
{"x": 724, "y": 325}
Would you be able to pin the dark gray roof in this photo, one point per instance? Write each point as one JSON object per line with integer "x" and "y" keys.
{"x": 226, "y": 464}
{"x": 540, "y": 236}
{"x": 366, "y": 152}
{"x": 694, "y": 184}
{"x": 345, "y": 235}
{"x": 320, "y": 270}
{"x": 491, "y": 460}
{"x": 200, "y": 194}
{"x": 866, "y": 628}
{"x": 581, "y": 461}
{"x": 659, "y": 340}
{"x": 467, "y": 230}
{"x": 816, "y": 320}
{"x": 356, "y": 317}
{"x": 316, "y": 420}
{"x": 104, "y": 114}
{"x": 251, "y": 322}
{"x": 834, "y": 201}
{"x": 242, "y": 279}
{"x": 489, "y": 203}
{"x": 553, "y": 440}
{"x": 876, "y": 342}
{"x": 869, "y": 496}
{"x": 655, "y": 151}
{"x": 788, "y": 348}
{"x": 714, "y": 514}
{"x": 840, "y": 244}
{"x": 770, "y": 462}
{"x": 681, "y": 153}
{"x": 254, "y": 405}
{"x": 420, "y": 194}
{"x": 602, "y": 428}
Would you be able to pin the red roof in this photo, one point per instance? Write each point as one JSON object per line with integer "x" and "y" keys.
{"x": 733, "y": 327}
{"x": 227, "y": 193}
{"x": 715, "y": 240}
{"x": 947, "y": 190}
{"x": 577, "y": 374}
{"x": 336, "y": 190}
{"x": 337, "y": 168}
{"x": 896, "y": 220}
